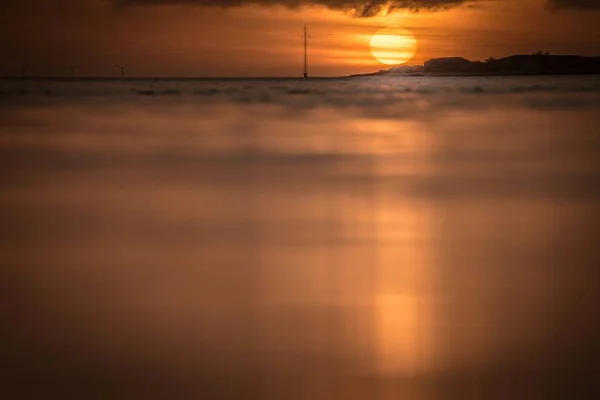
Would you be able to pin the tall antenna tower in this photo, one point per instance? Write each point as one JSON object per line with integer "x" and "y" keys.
{"x": 122, "y": 68}
{"x": 305, "y": 42}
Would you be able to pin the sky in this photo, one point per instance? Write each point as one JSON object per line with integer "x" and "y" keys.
{"x": 262, "y": 38}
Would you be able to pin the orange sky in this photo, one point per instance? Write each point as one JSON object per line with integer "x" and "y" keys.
{"x": 187, "y": 40}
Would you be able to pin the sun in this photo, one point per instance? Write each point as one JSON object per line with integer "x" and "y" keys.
{"x": 393, "y": 46}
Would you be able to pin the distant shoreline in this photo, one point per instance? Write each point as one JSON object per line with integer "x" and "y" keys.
{"x": 166, "y": 78}
{"x": 537, "y": 64}
{"x": 294, "y": 78}
{"x": 468, "y": 74}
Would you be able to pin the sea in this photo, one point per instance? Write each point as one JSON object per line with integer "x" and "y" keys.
{"x": 365, "y": 238}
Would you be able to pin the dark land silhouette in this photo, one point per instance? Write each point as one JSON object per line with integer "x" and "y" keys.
{"x": 533, "y": 64}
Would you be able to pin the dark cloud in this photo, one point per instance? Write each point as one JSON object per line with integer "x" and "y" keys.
{"x": 574, "y": 4}
{"x": 362, "y": 8}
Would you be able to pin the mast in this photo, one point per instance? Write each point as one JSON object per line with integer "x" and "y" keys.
{"x": 305, "y": 37}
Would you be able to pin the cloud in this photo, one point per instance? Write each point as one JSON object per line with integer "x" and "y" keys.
{"x": 574, "y": 4}
{"x": 362, "y": 8}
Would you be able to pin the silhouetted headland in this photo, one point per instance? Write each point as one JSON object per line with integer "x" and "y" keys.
{"x": 533, "y": 64}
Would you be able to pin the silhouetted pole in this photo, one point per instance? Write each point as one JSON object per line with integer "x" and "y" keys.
{"x": 122, "y": 68}
{"x": 305, "y": 39}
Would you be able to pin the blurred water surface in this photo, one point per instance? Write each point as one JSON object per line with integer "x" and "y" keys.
{"x": 368, "y": 238}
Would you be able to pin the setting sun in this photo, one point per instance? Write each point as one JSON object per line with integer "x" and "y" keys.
{"x": 392, "y": 46}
